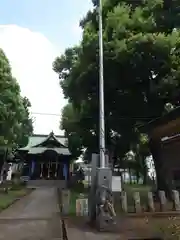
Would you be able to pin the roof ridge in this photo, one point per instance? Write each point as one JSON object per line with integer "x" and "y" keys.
{"x": 46, "y": 135}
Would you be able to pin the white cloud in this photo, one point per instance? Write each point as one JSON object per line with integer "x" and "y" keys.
{"x": 86, "y": 5}
{"x": 31, "y": 56}
{"x": 77, "y": 30}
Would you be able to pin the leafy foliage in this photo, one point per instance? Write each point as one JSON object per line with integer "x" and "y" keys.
{"x": 15, "y": 122}
{"x": 141, "y": 72}
{"x": 69, "y": 123}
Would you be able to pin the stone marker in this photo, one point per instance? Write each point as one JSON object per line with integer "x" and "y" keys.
{"x": 82, "y": 207}
{"x": 78, "y": 207}
{"x": 124, "y": 201}
{"x": 85, "y": 207}
{"x": 65, "y": 198}
{"x": 137, "y": 202}
{"x": 162, "y": 199}
{"x": 176, "y": 201}
{"x": 151, "y": 202}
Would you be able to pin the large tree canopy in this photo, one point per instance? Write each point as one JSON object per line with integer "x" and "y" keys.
{"x": 15, "y": 122}
{"x": 141, "y": 70}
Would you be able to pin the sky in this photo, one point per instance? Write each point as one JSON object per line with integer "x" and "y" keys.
{"x": 32, "y": 34}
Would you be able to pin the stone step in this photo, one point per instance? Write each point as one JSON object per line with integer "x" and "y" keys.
{"x": 46, "y": 183}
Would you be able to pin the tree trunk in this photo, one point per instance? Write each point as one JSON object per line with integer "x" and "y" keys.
{"x": 145, "y": 179}
{"x": 137, "y": 177}
{"x": 145, "y": 172}
{"x": 1, "y": 164}
{"x": 122, "y": 182}
{"x": 130, "y": 177}
{"x": 3, "y": 173}
{"x": 162, "y": 184}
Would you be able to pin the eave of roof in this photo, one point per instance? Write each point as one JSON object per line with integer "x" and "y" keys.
{"x": 170, "y": 116}
{"x": 171, "y": 139}
{"x": 40, "y": 150}
{"x": 46, "y": 135}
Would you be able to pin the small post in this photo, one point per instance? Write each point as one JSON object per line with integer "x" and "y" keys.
{"x": 176, "y": 200}
{"x": 124, "y": 201}
{"x": 137, "y": 202}
{"x": 151, "y": 202}
{"x": 56, "y": 170}
{"x": 41, "y": 174}
{"x": 65, "y": 201}
{"x": 162, "y": 199}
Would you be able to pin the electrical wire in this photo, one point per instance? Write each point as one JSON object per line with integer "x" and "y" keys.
{"x": 76, "y": 121}
{"x": 90, "y": 117}
{"x": 46, "y": 114}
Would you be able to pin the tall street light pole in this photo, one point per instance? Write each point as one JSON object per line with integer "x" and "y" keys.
{"x": 101, "y": 88}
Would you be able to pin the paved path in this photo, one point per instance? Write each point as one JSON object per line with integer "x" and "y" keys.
{"x": 35, "y": 217}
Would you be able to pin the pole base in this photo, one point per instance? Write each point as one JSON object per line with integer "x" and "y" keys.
{"x": 105, "y": 220}
{"x": 105, "y": 223}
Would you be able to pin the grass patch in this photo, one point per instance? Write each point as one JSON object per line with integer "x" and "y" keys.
{"x": 6, "y": 199}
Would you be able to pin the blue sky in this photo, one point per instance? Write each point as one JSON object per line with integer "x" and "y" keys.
{"x": 54, "y": 18}
{"x": 32, "y": 34}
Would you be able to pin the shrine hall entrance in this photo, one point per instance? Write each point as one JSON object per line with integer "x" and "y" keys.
{"x": 49, "y": 166}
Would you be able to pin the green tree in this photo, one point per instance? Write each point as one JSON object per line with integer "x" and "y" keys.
{"x": 26, "y": 126}
{"x": 142, "y": 151}
{"x": 69, "y": 123}
{"x": 141, "y": 71}
{"x": 15, "y": 122}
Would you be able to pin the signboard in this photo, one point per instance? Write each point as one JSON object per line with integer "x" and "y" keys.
{"x": 116, "y": 184}
{"x": 24, "y": 178}
{"x": 82, "y": 207}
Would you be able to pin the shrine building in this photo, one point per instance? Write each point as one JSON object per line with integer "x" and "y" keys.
{"x": 46, "y": 157}
{"x": 165, "y": 135}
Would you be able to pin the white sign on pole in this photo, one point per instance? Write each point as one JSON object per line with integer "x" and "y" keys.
{"x": 116, "y": 184}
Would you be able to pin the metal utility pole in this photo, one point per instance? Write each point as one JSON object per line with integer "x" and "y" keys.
{"x": 102, "y": 149}
{"x": 101, "y": 176}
